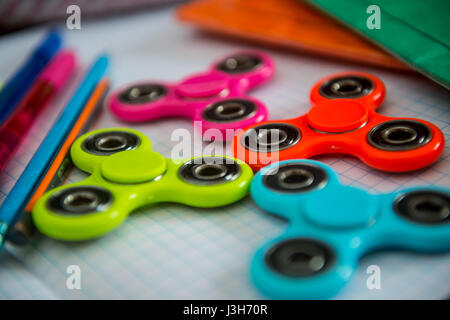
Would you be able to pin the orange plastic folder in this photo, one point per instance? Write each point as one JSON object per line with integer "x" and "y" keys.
{"x": 287, "y": 23}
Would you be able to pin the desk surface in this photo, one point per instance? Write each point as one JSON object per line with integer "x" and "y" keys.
{"x": 171, "y": 251}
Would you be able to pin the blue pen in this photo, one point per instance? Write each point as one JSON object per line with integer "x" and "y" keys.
{"x": 20, "y": 82}
{"x": 17, "y": 199}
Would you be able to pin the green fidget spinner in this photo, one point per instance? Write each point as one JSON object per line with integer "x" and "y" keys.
{"x": 127, "y": 174}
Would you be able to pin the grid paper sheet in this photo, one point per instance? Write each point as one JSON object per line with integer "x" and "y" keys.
{"x": 171, "y": 251}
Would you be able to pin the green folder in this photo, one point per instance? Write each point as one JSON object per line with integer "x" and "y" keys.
{"x": 415, "y": 31}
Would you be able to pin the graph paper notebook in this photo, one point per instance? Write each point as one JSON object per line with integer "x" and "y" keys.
{"x": 171, "y": 251}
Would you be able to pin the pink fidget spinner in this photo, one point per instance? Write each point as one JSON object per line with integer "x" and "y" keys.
{"x": 215, "y": 97}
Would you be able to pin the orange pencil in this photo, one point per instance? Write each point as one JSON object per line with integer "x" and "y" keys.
{"x": 21, "y": 232}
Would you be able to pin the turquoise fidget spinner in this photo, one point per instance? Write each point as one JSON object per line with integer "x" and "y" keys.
{"x": 331, "y": 226}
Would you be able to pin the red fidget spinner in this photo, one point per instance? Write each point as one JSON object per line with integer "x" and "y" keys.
{"x": 343, "y": 120}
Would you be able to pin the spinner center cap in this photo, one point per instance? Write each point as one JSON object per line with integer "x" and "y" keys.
{"x": 203, "y": 85}
{"x": 346, "y": 208}
{"x": 135, "y": 166}
{"x": 340, "y": 115}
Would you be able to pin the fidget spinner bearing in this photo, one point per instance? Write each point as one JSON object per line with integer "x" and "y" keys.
{"x": 343, "y": 120}
{"x": 125, "y": 175}
{"x": 331, "y": 226}
{"x": 215, "y": 97}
